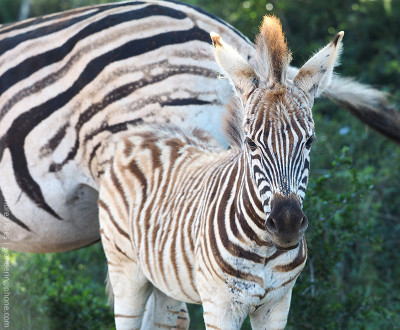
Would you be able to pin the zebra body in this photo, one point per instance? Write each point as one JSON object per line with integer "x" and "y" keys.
{"x": 223, "y": 228}
{"x": 71, "y": 84}
{"x": 160, "y": 224}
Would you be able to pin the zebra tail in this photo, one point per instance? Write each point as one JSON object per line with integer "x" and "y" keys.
{"x": 109, "y": 291}
{"x": 366, "y": 103}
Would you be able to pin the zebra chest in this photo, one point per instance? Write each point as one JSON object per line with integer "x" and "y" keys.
{"x": 250, "y": 284}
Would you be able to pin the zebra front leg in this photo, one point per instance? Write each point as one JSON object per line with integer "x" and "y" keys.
{"x": 183, "y": 320}
{"x": 163, "y": 312}
{"x": 223, "y": 315}
{"x": 221, "y": 309}
{"x": 272, "y": 315}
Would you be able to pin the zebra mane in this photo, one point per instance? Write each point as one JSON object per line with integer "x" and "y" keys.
{"x": 272, "y": 60}
{"x": 233, "y": 124}
{"x": 273, "y": 54}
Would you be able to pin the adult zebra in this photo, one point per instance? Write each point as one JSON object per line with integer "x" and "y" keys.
{"x": 220, "y": 228}
{"x": 71, "y": 83}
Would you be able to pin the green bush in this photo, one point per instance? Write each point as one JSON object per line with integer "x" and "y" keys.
{"x": 340, "y": 287}
{"x": 59, "y": 291}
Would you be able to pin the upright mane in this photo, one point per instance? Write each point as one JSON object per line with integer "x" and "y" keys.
{"x": 233, "y": 125}
{"x": 273, "y": 55}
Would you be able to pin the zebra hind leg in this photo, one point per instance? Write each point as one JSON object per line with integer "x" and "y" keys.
{"x": 131, "y": 291}
{"x": 127, "y": 286}
{"x": 163, "y": 312}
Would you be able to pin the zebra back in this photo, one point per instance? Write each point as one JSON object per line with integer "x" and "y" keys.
{"x": 70, "y": 86}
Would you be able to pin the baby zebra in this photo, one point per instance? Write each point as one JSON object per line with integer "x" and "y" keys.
{"x": 224, "y": 229}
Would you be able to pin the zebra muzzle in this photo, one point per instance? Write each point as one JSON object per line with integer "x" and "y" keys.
{"x": 286, "y": 223}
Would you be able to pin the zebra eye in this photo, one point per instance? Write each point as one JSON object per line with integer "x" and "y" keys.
{"x": 251, "y": 144}
{"x": 309, "y": 142}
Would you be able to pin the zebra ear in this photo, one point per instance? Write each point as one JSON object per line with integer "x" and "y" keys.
{"x": 316, "y": 74}
{"x": 240, "y": 74}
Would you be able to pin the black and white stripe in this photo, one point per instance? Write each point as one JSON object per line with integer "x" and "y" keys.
{"x": 72, "y": 83}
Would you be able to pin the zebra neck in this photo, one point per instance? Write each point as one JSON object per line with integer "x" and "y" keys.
{"x": 246, "y": 204}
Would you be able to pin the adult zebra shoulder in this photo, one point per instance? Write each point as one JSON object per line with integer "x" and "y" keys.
{"x": 70, "y": 85}
{"x": 220, "y": 228}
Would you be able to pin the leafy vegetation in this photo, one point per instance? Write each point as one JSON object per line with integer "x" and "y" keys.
{"x": 351, "y": 280}
{"x": 59, "y": 291}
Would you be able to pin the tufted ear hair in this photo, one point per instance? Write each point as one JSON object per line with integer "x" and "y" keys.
{"x": 240, "y": 74}
{"x": 316, "y": 74}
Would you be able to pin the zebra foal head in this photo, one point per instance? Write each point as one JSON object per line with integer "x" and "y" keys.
{"x": 274, "y": 126}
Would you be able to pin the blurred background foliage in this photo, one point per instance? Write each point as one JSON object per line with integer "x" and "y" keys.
{"x": 352, "y": 276}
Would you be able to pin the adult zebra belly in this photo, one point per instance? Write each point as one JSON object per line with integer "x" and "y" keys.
{"x": 70, "y": 86}
{"x": 66, "y": 220}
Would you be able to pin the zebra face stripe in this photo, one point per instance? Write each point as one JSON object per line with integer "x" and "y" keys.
{"x": 279, "y": 132}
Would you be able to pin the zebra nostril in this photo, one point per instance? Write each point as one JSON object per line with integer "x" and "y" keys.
{"x": 271, "y": 225}
{"x": 303, "y": 223}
